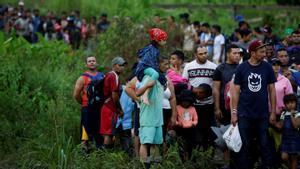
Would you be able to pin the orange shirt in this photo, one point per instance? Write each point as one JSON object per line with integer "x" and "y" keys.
{"x": 86, "y": 81}
{"x": 186, "y": 117}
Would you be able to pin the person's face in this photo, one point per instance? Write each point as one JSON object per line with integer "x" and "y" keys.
{"x": 296, "y": 38}
{"x": 199, "y": 93}
{"x": 290, "y": 106}
{"x": 283, "y": 57}
{"x": 91, "y": 63}
{"x": 276, "y": 68}
{"x": 185, "y": 104}
{"x": 156, "y": 19}
{"x": 201, "y": 55}
{"x": 118, "y": 68}
{"x": 234, "y": 56}
{"x": 259, "y": 54}
{"x": 269, "y": 51}
{"x": 213, "y": 31}
{"x": 204, "y": 29}
{"x": 174, "y": 61}
{"x": 164, "y": 65}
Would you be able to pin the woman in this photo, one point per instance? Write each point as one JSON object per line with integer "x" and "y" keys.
{"x": 282, "y": 87}
{"x": 175, "y": 72}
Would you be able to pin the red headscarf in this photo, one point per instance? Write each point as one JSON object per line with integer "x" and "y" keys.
{"x": 157, "y": 34}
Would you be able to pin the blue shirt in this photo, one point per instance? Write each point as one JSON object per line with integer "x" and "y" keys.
{"x": 254, "y": 81}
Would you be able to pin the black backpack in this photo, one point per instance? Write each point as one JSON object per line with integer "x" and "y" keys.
{"x": 95, "y": 90}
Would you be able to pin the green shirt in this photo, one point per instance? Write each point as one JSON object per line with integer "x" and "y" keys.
{"x": 152, "y": 115}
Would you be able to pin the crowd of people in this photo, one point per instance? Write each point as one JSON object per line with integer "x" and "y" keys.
{"x": 250, "y": 79}
{"x": 68, "y": 27}
{"x": 166, "y": 99}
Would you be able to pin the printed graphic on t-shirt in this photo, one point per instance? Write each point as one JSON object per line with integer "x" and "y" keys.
{"x": 254, "y": 82}
{"x": 186, "y": 116}
{"x": 203, "y": 72}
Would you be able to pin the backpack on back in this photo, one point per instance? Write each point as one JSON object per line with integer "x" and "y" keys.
{"x": 94, "y": 90}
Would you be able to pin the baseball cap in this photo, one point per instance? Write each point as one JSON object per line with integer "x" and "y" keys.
{"x": 257, "y": 44}
{"x": 118, "y": 60}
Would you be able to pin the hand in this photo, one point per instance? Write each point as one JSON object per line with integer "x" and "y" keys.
{"x": 218, "y": 114}
{"x": 121, "y": 113}
{"x": 272, "y": 118}
{"x": 234, "y": 119}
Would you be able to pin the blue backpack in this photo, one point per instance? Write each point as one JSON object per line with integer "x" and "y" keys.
{"x": 95, "y": 92}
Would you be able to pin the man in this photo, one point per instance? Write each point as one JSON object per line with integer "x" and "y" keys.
{"x": 219, "y": 45}
{"x": 89, "y": 116}
{"x": 103, "y": 24}
{"x": 151, "y": 116}
{"x": 244, "y": 41}
{"x": 111, "y": 108}
{"x": 252, "y": 89}
{"x": 206, "y": 39}
{"x": 270, "y": 38}
{"x": 200, "y": 72}
{"x": 284, "y": 58}
{"x": 222, "y": 81}
{"x": 222, "y": 75}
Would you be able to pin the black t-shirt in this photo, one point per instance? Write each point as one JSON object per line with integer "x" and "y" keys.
{"x": 254, "y": 81}
{"x": 224, "y": 73}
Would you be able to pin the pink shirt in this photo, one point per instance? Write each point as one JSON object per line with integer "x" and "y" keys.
{"x": 282, "y": 86}
{"x": 186, "y": 118}
{"x": 175, "y": 77}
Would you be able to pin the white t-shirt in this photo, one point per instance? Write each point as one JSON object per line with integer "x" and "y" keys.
{"x": 218, "y": 42}
{"x": 189, "y": 34}
{"x": 199, "y": 73}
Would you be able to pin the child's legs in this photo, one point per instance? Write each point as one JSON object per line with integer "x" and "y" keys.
{"x": 154, "y": 75}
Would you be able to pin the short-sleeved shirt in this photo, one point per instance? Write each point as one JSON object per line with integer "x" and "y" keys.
{"x": 224, "y": 73}
{"x": 199, "y": 73}
{"x": 152, "y": 115}
{"x": 254, "y": 81}
{"x": 111, "y": 84}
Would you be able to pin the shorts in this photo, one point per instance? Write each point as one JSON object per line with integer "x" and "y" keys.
{"x": 151, "y": 135}
{"x": 108, "y": 121}
{"x": 89, "y": 123}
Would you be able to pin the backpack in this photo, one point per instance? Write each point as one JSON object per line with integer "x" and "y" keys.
{"x": 95, "y": 92}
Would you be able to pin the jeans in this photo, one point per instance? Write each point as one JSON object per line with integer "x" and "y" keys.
{"x": 251, "y": 130}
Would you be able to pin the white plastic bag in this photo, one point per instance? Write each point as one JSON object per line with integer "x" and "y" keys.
{"x": 232, "y": 138}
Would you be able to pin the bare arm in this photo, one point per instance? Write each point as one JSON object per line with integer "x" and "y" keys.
{"x": 222, "y": 51}
{"x": 130, "y": 89}
{"x": 272, "y": 96}
{"x": 235, "y": 96}
{"x": 172, "y": 102}
{"x": 78, "y": 90}
{"x": 116, "y": 100}
{"x": 142, "y": 89}
{"x": 216, "y": 95}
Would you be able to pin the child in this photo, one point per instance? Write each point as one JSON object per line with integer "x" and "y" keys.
{"x": 148, "y": 64}
{"x": 187, "y": 120}
{"x": 290, "y": 123}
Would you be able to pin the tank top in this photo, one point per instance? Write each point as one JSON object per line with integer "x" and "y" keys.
{"x": 166, "y": 99}
{"x": 86, "y": 81}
